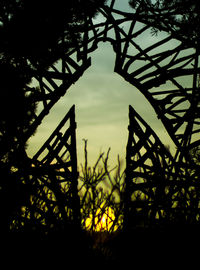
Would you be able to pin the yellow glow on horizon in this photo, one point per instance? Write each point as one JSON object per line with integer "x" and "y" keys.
{"x": 102, "y": 222}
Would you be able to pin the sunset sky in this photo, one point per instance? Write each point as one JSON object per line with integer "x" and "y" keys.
{"x": 102, "y": 98}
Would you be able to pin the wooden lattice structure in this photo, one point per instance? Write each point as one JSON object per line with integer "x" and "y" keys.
{"x": 54, "y": 203}
{"x": 56, "y": 162}
{"x": 159, "y": 188}
{"x": 166, "y": 71}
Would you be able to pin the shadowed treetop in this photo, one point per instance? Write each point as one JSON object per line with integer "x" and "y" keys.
{"x": 37, "y": 30}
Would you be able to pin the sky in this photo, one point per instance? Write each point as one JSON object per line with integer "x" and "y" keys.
{"x": 102, "y": 99}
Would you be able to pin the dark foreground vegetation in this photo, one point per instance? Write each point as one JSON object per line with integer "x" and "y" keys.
{"x": 146, "y": 242}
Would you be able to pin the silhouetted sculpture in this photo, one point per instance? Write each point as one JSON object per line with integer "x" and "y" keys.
{"x": 167, "y": 182}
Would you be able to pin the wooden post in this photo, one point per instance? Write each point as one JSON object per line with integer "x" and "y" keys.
{"x": 75, "y": 197}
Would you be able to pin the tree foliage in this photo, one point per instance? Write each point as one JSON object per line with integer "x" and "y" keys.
{"x": 38, "y": 30}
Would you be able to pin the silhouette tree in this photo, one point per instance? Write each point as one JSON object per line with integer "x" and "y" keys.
{"x": 39, "y": 31}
